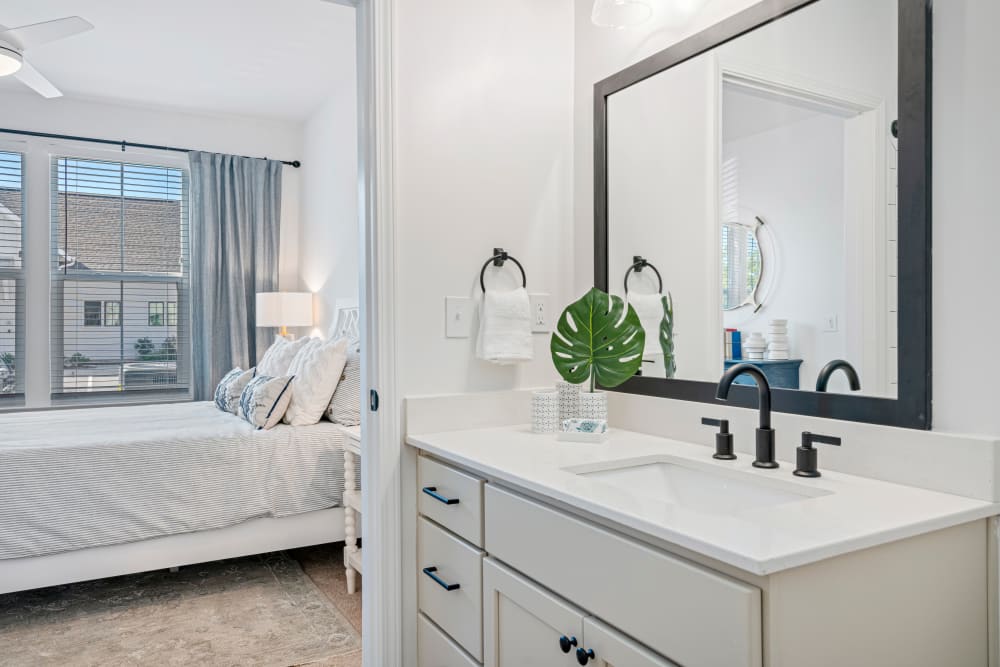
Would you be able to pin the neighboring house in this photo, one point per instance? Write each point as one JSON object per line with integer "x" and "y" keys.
{"x": 106, "y": 324}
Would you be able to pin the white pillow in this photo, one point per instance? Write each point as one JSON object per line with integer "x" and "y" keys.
{"x": 265, "y": 399}
{"x": 317, "y": 372}
{"x": 303, "y": 353}
{"x": 279, "y": 356}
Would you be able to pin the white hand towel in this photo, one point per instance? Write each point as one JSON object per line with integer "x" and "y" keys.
{"x": 649, "y": 308}
{"x": 505, "y": 327}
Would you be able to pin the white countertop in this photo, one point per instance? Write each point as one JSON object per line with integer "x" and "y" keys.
{"x": 854, "y": 512}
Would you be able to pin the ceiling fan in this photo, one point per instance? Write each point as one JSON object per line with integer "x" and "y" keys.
{"x": 15, "y": 41}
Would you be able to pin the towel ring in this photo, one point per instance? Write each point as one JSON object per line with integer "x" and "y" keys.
{"x": 499, "y": 257}
{"x": 637, "y": 265}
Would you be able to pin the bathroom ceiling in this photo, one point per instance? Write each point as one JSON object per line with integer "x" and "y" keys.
{"x": 273, "y": 58}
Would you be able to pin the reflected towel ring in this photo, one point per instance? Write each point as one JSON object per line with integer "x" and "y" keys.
{"x": 638, "y": 263}
{"x": 499, "y": 257}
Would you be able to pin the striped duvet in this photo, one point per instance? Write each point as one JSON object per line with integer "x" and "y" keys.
{"x": 72, "y": 479}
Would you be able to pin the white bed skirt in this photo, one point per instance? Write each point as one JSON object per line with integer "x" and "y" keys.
{"x": 250, "y": 537}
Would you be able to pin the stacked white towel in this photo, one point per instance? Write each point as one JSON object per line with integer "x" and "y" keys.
{"x": 505, "y": 327}
{"x": 649, "y": 308}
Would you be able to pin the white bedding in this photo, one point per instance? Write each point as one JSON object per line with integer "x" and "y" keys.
{"x": 71, "y": 479}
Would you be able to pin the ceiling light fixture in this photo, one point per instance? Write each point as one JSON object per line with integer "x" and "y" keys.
{"x": 10, "y": 60}
{"x": 621, "y": 14}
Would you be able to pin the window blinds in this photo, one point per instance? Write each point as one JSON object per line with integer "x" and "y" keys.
{"x": 120, "y": 261}
{"x": 11, "y": 280}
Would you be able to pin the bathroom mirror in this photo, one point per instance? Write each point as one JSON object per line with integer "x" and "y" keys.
{"x": 775, "y": 170}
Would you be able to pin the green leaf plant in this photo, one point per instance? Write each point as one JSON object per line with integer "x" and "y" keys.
{"x": 598, "y": 338}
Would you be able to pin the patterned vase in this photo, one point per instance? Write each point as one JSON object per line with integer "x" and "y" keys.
{"x": 545, "y": 411}
{"x": 569, "y": 400}
{"x": 594, "y": 405}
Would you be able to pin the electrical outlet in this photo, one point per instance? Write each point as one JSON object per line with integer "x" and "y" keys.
{"x": 540, "y": 313}
{"x": 458, "y": 316}
{"x": 830, "y": 324}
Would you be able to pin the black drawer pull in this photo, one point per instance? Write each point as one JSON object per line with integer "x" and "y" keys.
{"x": 432, "y": 492}
{"x": 429, "y": 571}
{"x": 567, "y": 643}
{"x": 583, "y": 657}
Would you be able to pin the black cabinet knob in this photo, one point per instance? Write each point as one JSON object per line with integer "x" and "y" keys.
{"x": 584, "y": 656}
{"x": 567, "y": 643}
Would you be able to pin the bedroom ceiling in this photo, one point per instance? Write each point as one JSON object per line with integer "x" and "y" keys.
{"x": 273, "y": 58}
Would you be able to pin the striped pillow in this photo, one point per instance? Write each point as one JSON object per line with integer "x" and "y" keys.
{"x": 345, "y": 406}
{"x": 227, "y": 394}
{"x": 265, "y": 399}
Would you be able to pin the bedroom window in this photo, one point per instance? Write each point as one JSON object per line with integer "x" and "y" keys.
{"x": 119, "y": 253}
{"x": 11, "y": 278}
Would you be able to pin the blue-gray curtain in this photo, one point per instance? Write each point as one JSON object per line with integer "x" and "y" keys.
{"x": 235, "y": 236}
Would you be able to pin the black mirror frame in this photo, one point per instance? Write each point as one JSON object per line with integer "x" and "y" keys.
{"x": 912, "y": 407}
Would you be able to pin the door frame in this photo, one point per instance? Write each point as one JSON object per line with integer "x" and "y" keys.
{"x": 381, "y": 512}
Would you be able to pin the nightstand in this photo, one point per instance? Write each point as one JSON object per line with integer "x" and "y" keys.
{"x": 352, "y": 504}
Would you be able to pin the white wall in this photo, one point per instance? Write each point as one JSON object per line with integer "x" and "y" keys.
{"x": 329, "y": 249}
{"x": 661, "y": 204}
{"x": 483, "y": 158}
{"x": 223, "y": 134}
{"x": 792, "y": 176}
{"x": 965, "y": 140}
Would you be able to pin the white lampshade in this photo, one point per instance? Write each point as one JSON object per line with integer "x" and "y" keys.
{"x": 621, "y": 13}
{"x": 284, "y": 309}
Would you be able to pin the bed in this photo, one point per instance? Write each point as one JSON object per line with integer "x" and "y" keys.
{"x": 97, "y": 492}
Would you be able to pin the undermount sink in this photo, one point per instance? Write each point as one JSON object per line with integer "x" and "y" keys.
{"x": 703, "y": 488}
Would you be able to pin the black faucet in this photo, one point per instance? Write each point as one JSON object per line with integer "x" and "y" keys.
{"x": 765, "y": 434}
{"x": 828, "y": 370}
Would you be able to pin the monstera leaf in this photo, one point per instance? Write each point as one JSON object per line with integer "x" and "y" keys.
{"x": 667, "y": 336}
{"x": 597, "y": 338}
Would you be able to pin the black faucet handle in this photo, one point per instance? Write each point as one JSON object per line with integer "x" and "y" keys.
{"x": 723, "y": 424}
{"x": 810, "y": 439}
{"x": 723, "y": 439}
{"x": 805, "y": 455}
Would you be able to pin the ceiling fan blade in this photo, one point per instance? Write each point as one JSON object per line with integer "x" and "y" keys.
{"x": 30, "y": 36}
{"x": 33, "y": 79}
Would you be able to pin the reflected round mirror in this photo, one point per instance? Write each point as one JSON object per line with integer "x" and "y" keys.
{"x": 742, "y": 263}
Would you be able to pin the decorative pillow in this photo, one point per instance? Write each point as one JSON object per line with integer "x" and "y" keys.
{"x": 279, "y": 356}
{"x": 227, "y": 394}
{"x": 303, "y": 354}
{"x": 318, "y": 371}
{"x": 345, "y": 406}
{"x": 265, "y": 399}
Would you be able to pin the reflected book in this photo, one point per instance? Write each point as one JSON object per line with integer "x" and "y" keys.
{"x": 732, "y": 344}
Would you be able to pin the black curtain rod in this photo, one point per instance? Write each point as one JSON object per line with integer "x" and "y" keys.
{"x": 124, "y": 144}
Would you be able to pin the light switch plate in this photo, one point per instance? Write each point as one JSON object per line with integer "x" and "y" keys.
{"x": 458, "y": 316}
{"x": 541, "y": 315}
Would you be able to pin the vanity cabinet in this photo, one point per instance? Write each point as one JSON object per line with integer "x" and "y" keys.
{"x": 684, "y": 611}
{"x": 527, "y": 626}
{"x": 525, "y": 579}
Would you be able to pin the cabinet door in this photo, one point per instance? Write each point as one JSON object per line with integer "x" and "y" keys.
{"x": 612, "y": 649}
{"x": 524, "y": 625}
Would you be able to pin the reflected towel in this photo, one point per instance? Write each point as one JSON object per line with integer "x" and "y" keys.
{"x": 649, "y": 308}
{"x": 505, "y": 327}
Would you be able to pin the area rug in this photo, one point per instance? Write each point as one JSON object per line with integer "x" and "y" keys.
{"x": 256, "y": 611}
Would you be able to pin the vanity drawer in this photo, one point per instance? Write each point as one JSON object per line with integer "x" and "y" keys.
{"x": 436, "y": 649}
{"x": 680, "y": 610}
{"x": 452, "y": 498}
{"x": 444, "y": 562}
